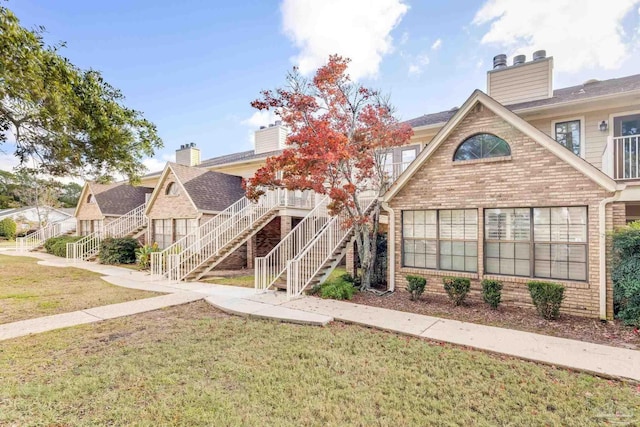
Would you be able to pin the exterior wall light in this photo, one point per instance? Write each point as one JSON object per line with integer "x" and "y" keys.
{"x": 603, "y": 126}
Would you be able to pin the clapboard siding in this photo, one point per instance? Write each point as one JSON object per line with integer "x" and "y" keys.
{"x": 520, "y": 83}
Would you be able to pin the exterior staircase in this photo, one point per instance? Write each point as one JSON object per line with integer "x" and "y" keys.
{"x": 35, "y": 241}
{"x": 193, "y": 256}
{"x": 270, "y": 268}
{"x": 132, "y": 224}
{"x": 323, "y": 254}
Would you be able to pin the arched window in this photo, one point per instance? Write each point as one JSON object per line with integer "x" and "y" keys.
{"x": 91, "y": 199}
{"x": 482, "y": 146}
{"x": 172, "y": 189}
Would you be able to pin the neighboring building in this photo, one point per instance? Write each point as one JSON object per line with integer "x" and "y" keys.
{"x": 31, "y": 217}
{"x": 100, "y": 204}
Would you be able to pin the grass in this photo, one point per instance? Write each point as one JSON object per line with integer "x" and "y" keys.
{"x": 29, "y": 290}
{"x": 192, "y": 365}
{"x": 242, "y": 281}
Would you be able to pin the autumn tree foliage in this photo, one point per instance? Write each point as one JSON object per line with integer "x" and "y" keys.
{"x": 340, "y": 132}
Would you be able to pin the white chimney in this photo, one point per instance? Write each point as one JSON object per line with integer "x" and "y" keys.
{"x": 270, "y": 138}
{"x": 188, "y": 155}
{"x": 523, "y": 81}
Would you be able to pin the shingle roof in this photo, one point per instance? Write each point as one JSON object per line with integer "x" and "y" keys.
{"x": 237, "y": 157}
{"x": 590, "y": 89}
{"x": 210, "y": 191}
{"x": 119, "y": 198}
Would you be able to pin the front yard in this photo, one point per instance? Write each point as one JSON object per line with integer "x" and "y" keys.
{"x": 29, "y": 290}
{"x": 193, "y": 365}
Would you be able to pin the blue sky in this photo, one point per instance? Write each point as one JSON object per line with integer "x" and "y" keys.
{"x": 193, "y": 67}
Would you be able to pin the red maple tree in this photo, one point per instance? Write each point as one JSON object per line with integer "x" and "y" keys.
{"x": 340, "y": 134}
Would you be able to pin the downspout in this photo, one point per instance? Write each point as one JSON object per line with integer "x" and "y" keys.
{"x": 391, "y": 263}
{"x": 602, "y": 220}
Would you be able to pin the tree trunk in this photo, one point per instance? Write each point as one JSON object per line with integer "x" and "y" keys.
{"x": 367, "y": 247}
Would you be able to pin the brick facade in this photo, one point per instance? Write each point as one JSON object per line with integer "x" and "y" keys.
{"x": 165, "y": 206}
{"x": 531, "y": 177}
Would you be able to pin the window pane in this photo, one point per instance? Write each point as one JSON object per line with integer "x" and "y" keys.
{"x": 522, "y": 251}
{"x": 482, "y": 146}
{"x": 445, "y": 262}
{"x": 419, "y": 217}
{"x": 493, "y": 250}
{"x": 492, "y": 266}
{"x": 430, "y": 231}
{"x": 507, "y": 250}
{"x": 471, "y": 263}
{"x": 568, "y": 135}
{"x": 430, "y": 247}
{"x": 408, "y": 231}
{"x": 431, "y": 261}
{"x": 542, "y": 252}
{"x": 419, "y": 231}
{"x": 559, "y": 270}
{"x": 578, "y": 253}
{"x": 409, "y": 260}
{"x": 522, "y": 267}
{"x": 458, "y": 263}
{"x": 407, "y": 217}
{"x": 457, "y": 248}
{"x": 542, "y": 268}
{"x": 559, "y": 253}
{"x": 507, "y": 266}
{"x": 408, "y": 246}
{"x": 445, "y": 248}
{"x": 420, "y": 260}
{"x": 542, "y": 233}
{"x": 471, "y": 248}
{"x": 577, "y": 271}
{"x": 420, "y": 246}
{"x": 541, "y": 216}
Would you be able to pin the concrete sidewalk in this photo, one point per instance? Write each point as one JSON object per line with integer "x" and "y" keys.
{"x": 598, "y": 359}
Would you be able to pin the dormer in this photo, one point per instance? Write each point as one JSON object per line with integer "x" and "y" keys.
{"x": 522, "y": 81}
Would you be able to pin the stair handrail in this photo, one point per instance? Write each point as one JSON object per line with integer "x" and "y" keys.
{"x": 38, "y": 237}
{"x": 270, "y": 267}
{"x": 304, "y": 267}
{"x": 120, "y": 227}
{"x": 159, "y": 259}
{"x": 180, "y": 265}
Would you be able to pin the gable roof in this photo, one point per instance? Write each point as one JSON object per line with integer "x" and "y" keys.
{"x": 114, "y": 199}
{"x": 208, "y": 191}
{"x": 588, "y": 90}
{"x": 517, "y": 122}
{"x": 12, "y": 211}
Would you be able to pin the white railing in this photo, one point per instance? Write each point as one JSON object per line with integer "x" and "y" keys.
{"x": 124, "y": 225}
{"x": 271, "y": 266}
{"x": 304, "y": 267}
{"x": 394, "y": 170}
{"x": 38, "y": 237}
{"x": 625, "y": 152}
{"x": 177, "y": 261}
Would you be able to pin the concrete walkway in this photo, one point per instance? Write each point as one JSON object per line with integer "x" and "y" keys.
{"x": 598, "y": 359}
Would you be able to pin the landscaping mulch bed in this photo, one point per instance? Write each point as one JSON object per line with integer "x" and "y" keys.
{"x": 474, "y": 310}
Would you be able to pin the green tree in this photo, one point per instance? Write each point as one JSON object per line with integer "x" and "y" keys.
{"x": 65, "y": 120}
{"x": 70, "y": 195}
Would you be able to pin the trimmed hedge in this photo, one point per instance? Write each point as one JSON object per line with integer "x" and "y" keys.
{"x": 625, "y": 273}
{"x": 457, "y": 288}
{"x": 8, "y": 228}
{"x": 118, "y": 251}
{"x": 492, "y": 292}
{"x": 415, "y": 286}
{"x": 547, "y": 297}
{"x": 58, "y": 245}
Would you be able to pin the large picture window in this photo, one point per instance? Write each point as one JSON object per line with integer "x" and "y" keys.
{"x": 441, "y": 239}
{"x": 537, "y": 242}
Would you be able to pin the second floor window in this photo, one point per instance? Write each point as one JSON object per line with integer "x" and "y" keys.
{"x": 568, "y": 135}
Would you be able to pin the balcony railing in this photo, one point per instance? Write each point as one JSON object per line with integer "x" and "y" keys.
{"x": 394, "y": 170}
{"x": 621, "y": 157}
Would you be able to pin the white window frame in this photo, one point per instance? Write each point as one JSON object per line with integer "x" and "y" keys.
{"x": 583, "y": 136}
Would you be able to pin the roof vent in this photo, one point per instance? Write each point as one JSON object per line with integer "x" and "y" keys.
{"x": 271, "y": 125}
{"x": 590, "y": 81}
{"x": 499, "y": 61}
{"x": 519, "y": 59}
{"x": 278, "y": 122}
{"x": 182, "y": 146}
{"x": 263, "y": 127}
{"x": 539, "y": 54}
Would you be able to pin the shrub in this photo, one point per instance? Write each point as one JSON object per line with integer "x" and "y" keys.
{"x": 58, "y": 245}
{"x": 547, "y": 298}
{"x": 143, "y": 255}
{"x": 457, "y": 288}
{"x": 415, "y": 286}
{"x": 625, "y": 274}
{"x": 346, "y": 277}
{"x": 492, "y": 292}
{"x": 8, "y": 228}
{"x": 118, "y": 251}
{"x": 337, "y": 290}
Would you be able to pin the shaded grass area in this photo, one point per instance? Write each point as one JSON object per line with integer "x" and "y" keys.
{"x": 29, "y": 290}
{"x": 242, "y": 281}
{"x": 192, "y": 365}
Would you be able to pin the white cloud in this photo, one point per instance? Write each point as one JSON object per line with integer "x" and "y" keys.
{"x": 257, "y": 119}
{"x": 405, "y": 38}
{"x": 417, "y": 64}
{"x": 8, "y": 161}
{"x": 436, "y": 44}
{"x": 155, "y": 165}
{"x": 588, "y": 34}
{"x": 357, "y": 29}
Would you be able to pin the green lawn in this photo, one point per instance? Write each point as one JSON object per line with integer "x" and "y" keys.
{"x": 192, "y": 365}
{"x": 242, "y": 281}
{"x": 29, "y": 290}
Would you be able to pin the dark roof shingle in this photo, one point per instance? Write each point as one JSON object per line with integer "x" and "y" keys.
{"x": 119, "y": 198}
{"x": 210, "y": 191}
